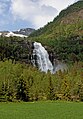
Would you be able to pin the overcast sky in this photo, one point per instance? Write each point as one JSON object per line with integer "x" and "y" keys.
{"x": 16, "y": 14}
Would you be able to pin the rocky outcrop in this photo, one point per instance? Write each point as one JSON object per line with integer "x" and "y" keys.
{"x": 20, "y": 33}
{"x": 26, "y": 31}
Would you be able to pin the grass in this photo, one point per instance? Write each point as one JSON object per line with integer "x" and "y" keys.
{"x": 42, "y": 110}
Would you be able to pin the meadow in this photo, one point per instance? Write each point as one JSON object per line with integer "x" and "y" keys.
{"x": 41, "y": 110}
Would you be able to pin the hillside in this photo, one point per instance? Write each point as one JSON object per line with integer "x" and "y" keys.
{"x": 71, "y": 16}
{"x": 65, "y": 34}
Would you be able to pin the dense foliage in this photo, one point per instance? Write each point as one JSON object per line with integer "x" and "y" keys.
{"x": 15, "y": 48}
{"x": 21, "y": 82}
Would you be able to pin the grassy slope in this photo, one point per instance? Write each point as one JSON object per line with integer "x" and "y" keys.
{"x": 41, "y": 110}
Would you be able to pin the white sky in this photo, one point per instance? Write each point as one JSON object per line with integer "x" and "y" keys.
{"x": 35, "y": 12}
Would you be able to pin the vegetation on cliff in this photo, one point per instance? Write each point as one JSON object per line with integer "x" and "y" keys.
{"x": 15, "y": 48}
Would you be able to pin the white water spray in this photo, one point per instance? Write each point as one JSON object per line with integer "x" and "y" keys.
{"x": 41, "y": 60}
{"x": 42, "y": 57}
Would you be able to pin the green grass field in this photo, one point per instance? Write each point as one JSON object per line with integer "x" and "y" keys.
{"x": 42, "y": 110}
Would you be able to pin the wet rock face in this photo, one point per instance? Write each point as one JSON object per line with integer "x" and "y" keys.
{"x": 27, "y": 48}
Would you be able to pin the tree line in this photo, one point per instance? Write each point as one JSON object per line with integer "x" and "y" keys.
{"x": 21, "y": 82}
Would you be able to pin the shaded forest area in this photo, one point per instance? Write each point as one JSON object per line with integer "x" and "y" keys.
{"x": 16, "y": 49}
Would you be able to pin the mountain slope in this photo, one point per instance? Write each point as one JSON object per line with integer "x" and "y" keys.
{"x": 72, "y": 16}
{"x": 65, "y": 34}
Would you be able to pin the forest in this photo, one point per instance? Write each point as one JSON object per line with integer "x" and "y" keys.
{"x": 21, "y": 82}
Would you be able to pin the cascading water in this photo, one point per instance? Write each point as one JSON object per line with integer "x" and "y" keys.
{"x": 41, "y": 58}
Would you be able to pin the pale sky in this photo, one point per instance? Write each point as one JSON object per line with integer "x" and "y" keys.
{"x": 16, "y": 14}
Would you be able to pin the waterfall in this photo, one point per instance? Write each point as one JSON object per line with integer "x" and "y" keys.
{"x": 41, "y": 58}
